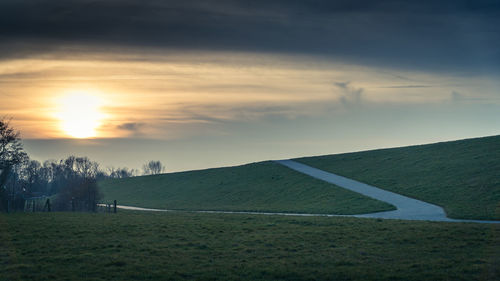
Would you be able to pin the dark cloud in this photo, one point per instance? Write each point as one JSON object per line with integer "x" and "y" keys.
{"x": 350, "y": 95}
{"x": 131, "y": 127}
{"x": 450, "y": 34}
{"x": 342, "y": 85}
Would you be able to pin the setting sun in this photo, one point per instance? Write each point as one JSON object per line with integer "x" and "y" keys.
{"x": 80, "y": 114}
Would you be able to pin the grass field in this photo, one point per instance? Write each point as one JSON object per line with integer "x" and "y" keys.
{"x": 186, "y": 246}
{"x": 264, "y": 186}
{"x": 461, "y": 176}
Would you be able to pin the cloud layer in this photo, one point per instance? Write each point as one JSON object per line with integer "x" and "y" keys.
{"x": 450, "y": 35}
{"x": 182, "y": 95}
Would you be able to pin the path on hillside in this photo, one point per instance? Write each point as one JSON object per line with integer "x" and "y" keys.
{"x": 132, "y": 208}
{"x": 407, "y": 208}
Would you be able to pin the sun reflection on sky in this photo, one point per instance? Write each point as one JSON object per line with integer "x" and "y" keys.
{"x": 80, "y": 114}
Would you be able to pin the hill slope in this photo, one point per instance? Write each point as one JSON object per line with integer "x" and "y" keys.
{"x": 461, "y": 176}
{"x": 264, "y": 186}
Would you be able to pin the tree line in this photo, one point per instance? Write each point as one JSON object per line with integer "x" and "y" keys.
{"x": 72, "y": 181}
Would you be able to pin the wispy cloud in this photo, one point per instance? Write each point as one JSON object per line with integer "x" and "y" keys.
{"x": 405, "y": 86}
{"x": 350, "y": 94}
{"x": 172, "y": 95}
{"x": 456, "y": 97}
{"x": 460, "y": 98}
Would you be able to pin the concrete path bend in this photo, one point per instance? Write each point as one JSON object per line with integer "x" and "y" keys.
{"x": 407, "y": 208}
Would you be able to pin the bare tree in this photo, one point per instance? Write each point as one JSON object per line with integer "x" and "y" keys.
{"x": 75, "y": 182}
{"x": 86, "y": 168}
{"x": 11, "y": 148}
{"x": 11, "y": 153}
{"x": 119, "y": 173}
{"x": 32, "y": 171}
{"x": 81, "y": 195}
{"x": 153, "y": 168}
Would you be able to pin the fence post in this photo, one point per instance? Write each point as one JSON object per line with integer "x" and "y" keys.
{"x": 114, "y": 207}
{"x": 73, "y": 204}
{"x": 33, "y": 206}
{"x": 48, "y": 205}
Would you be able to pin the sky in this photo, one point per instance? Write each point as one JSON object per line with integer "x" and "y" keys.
{"x": 199, "y": 84}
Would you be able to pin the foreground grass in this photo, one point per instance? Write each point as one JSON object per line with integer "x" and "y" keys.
{"x": 183, "y": 246}
{"x": 461, "y": 176}
{"x": 265, "y": 186}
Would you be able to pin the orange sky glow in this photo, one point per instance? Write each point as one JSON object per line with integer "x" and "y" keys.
{"x": 170, "y": 97}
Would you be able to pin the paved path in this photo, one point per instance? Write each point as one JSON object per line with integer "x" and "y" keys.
{"x": 407, "y": 208}
{"x": 227, "y": 212}
{"x": 278, "y": 214}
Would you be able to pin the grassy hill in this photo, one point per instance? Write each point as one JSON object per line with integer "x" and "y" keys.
{"x": 461, "y": 176}
{"x": 264, "y": 186}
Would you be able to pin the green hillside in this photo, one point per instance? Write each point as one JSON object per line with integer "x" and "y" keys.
{"x": 461, "y": 176}
{"x": 264, "y": 186}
